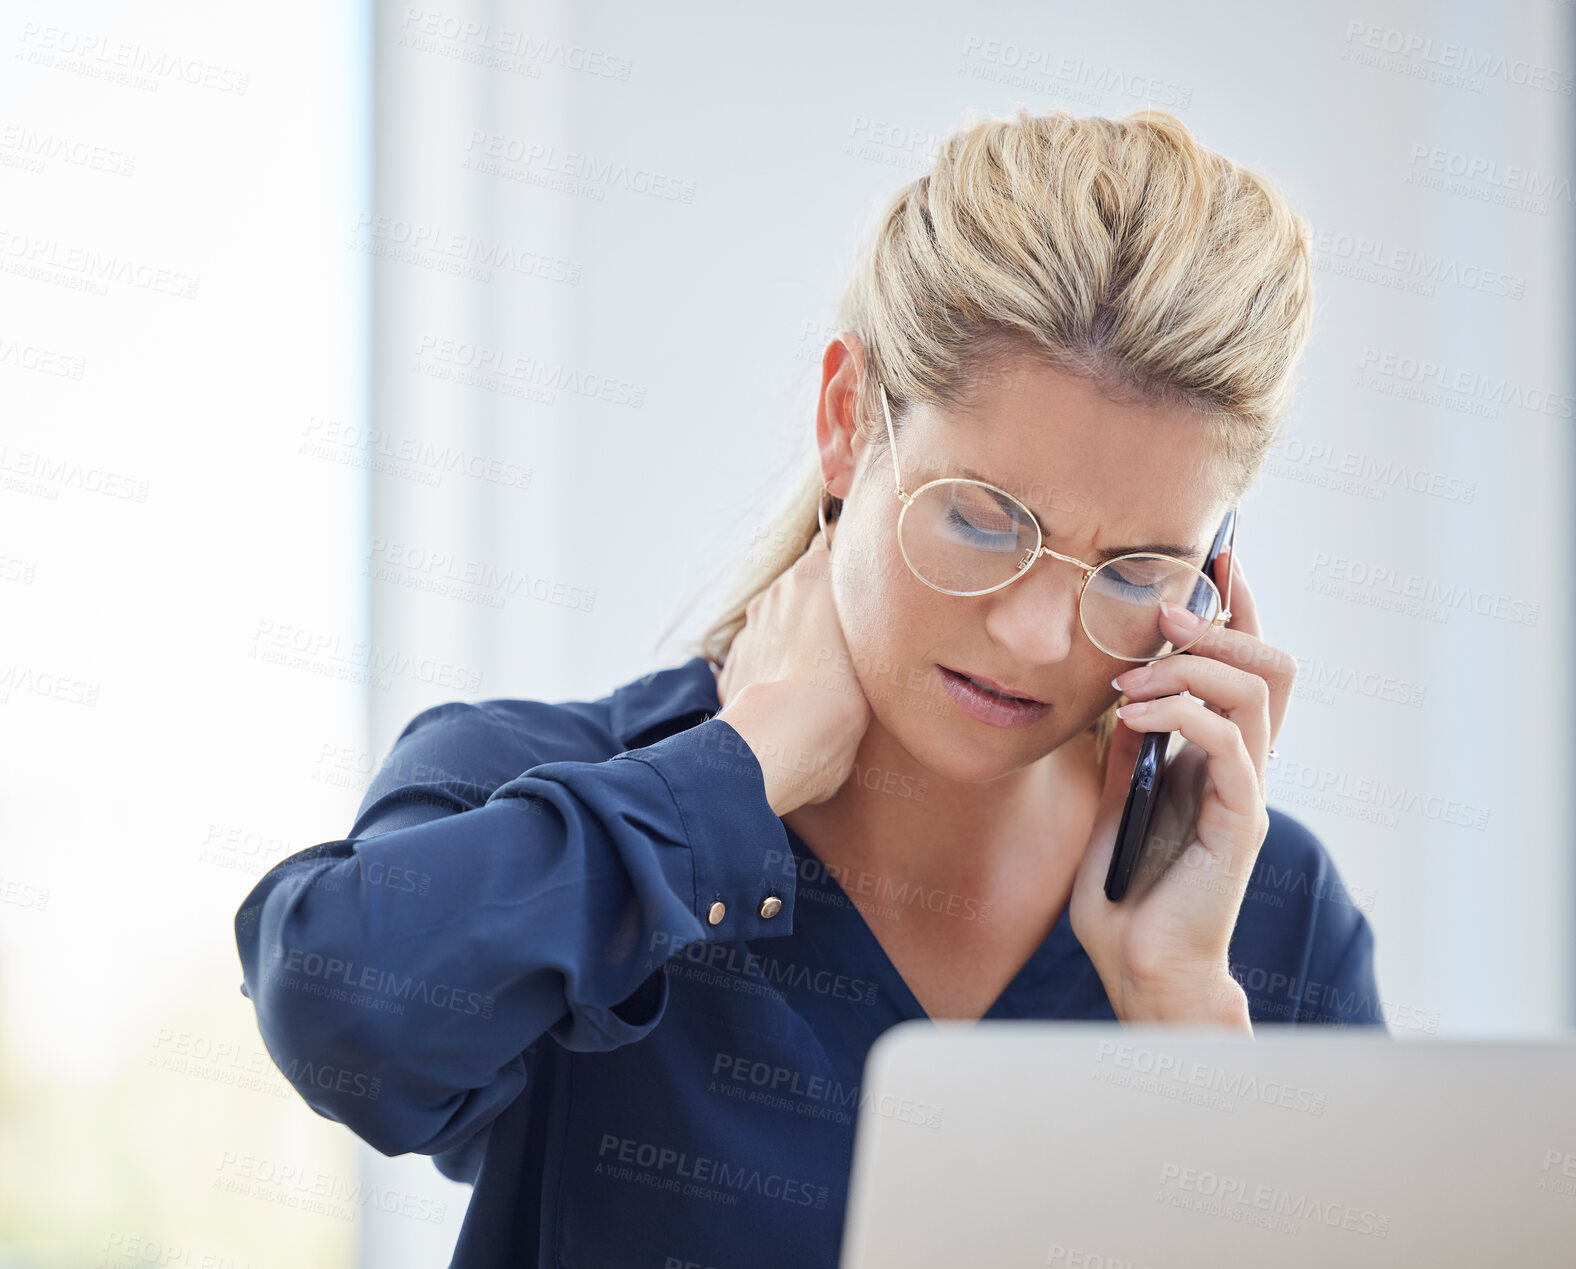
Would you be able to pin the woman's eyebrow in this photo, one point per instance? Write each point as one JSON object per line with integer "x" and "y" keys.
{"x": 1106, "y": 553}
{"x": 1154, "y": 548}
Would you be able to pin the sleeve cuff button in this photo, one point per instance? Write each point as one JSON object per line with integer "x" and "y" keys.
{"x": 771, "y": 905}
{"x": 716, "y": 912}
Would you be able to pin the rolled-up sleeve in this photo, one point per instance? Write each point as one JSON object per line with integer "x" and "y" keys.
{"x": 422, "y": 960}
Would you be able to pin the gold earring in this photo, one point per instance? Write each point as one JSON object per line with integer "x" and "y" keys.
{"x": 820, "y": 508}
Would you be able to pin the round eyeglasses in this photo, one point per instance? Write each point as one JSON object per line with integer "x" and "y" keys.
{"x": 964, "y": 537}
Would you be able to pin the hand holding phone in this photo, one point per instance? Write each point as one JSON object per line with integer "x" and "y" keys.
{"x": 1143, "y": 791}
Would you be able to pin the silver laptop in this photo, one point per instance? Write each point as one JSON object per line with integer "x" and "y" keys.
{"x": 1086, "y": 1145}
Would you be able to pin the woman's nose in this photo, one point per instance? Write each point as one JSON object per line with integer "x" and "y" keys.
{"x": 1036, "y": 616}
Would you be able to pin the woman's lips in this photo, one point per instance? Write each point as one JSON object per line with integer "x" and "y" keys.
{"x": 994, "y": 686}
{"x": 986, "y": 706}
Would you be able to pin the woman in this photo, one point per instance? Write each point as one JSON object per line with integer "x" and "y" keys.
{"x": 618, "y": 962}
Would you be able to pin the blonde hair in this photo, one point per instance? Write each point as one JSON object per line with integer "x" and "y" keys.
{"x": 1120, "y": 249}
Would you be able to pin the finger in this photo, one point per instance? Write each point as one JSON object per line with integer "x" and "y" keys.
{"x": 1241, "y": 696}
{"x": 1244, "y": 608}
{"x": 1278, "y": 668}
{"x": 1237, "y": 780}
{"x": 1238, "y": 648}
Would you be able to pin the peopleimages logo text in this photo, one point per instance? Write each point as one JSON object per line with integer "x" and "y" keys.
{"x": 368, "y": 978}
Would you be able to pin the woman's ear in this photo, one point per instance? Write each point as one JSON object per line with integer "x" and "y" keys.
{"x": 837, "y": 437}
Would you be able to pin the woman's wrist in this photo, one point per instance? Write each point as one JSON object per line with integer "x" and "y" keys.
{"x": 1215, "y": 999}
{"x": 773, "y": 721}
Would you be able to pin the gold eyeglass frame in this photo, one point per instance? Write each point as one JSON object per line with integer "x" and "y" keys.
{"x": 1030, "y": 557}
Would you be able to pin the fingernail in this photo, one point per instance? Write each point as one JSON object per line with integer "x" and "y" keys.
{"x": 1130, "y": 679}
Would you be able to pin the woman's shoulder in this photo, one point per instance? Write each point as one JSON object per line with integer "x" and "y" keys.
{"x": 1295, "y": 865}
{"x": 1303, "y": 946}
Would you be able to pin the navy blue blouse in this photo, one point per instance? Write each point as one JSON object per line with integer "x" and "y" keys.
{"x": 508, "y": 964}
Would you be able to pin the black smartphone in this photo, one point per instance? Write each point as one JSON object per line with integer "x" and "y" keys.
{"x": 1149, "y": 771}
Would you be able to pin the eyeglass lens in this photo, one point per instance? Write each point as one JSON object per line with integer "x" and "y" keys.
{"x": 964, "y": 538}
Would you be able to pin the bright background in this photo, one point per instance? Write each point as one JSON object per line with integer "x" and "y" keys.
{"x": 185, "y": 695}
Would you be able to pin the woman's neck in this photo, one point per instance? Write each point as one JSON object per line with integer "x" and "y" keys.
{"x": 894, "y": 821}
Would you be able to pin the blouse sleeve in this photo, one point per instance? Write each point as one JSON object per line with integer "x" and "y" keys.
{"x": 421, "y": 956}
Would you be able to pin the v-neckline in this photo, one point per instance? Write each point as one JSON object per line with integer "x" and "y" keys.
{"x": 1058, "y": 945}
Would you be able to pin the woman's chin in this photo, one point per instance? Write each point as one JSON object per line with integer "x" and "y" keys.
{"x": 962, "y": 750}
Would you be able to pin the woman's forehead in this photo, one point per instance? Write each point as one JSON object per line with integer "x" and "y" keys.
{"x": 1072, "y": 465}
